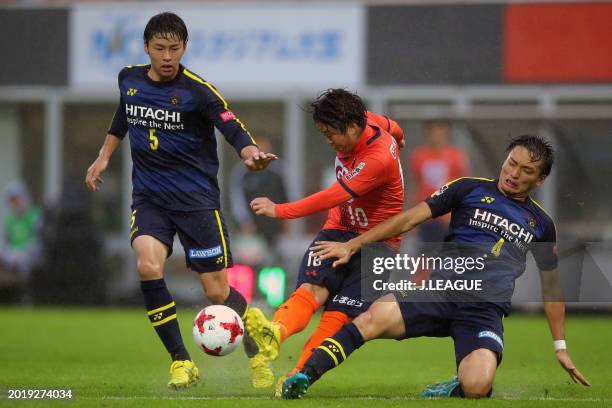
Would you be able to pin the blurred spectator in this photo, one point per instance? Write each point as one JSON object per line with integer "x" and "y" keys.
{"x": 246, "y": 185}
{"x": 19, "y": 249}
{"x": 72, "y": 246}
{"x": 433, "y": 165}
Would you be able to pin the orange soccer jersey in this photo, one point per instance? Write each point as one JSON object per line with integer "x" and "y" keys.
{"x": 369, "y": 187}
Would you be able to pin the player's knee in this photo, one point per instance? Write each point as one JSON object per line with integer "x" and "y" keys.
{"x": 150, "y": 269}
{"x": 477, "y": 373}
{"x": 318, "y": 292}
{"x": 366, "y": 325}
{"x": 475, "y": 387}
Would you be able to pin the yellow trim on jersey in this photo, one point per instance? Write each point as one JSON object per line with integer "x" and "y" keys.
{"x": 166, "y": 320}
{"x": 225, "y": 105}
{"x": 461, "y": 178}
{"x": 338, "y": 345}
{"x": 137, "y": 65}
{"x": 161, "y": 309}
{"x": 222, "y": 236}
{"x": 545, "y": 212}
{"x": 330, "y": 353}
{"x": 203, "y": 82}
{"x": 540, "y": 206}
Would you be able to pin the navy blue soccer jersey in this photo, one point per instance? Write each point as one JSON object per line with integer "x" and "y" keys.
{"x": 171, "y": 127}
{"x": 483, "y": 218}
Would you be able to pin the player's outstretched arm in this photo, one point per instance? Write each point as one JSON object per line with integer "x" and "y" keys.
{"x": 554, "y": 307}
{"x": 264, "y": 206}
{"x": 323, "y": 200}
{"x": 93, "y": 177}
{"x": 394, "y": 226}
{"x": 254, "y": 159}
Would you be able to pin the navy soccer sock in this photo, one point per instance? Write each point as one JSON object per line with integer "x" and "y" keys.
{"x": 162, "y": 314}
{"x": 333, "y": 351}
{"x": 457, "y": 392}
{"x": 237, "y": 302}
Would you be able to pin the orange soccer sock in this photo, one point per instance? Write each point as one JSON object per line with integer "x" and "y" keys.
{"x": 329, "y": 325}
{"x": 293, "y": 315}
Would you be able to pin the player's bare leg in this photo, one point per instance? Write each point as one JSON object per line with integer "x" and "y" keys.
{"x": 474, "y": 377}
{"x": 383, "y": 320}
{"x": 151, "y": 258}
{"x": 477, "y": 372}
{"x": 216, "y": 287}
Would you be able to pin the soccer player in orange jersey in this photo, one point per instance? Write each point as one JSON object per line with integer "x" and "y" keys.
{"x": 368, "y": 190}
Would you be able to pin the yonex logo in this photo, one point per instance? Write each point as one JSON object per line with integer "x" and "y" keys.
{"x": 333, "y": 348}
{"x": 157, "y": 316}
{"x": 487, "y": 199}
{"x": 131, "y": 92}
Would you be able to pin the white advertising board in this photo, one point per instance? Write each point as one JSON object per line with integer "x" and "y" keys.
{"x": 267, "y": 45}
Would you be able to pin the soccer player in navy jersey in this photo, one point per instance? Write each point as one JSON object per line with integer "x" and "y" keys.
{"x": 498, "y": 215}
{"x": 171, "y": 114}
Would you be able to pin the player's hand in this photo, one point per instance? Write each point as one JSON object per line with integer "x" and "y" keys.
{"x": 264, "y": 206}
{"x": 259, "y": 160}
{"x": 92, "y": 178}
{"x": 568, "y": 365}
{"x": 330, "y": 249}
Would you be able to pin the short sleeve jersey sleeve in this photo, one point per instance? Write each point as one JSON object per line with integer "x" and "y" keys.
{"x": 544, "y": 250}
{"x": 370, "y": 173}
{"x": 118, "y": 126}
{"x": 449, "y": 196}
{"x": 215, "y": 109}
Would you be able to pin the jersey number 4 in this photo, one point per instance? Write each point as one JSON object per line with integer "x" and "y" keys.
{"x": 154, "y": 140}
{"x": 496, "y": 250}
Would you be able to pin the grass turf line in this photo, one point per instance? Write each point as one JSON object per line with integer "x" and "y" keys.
{"x": 112, "y": 357}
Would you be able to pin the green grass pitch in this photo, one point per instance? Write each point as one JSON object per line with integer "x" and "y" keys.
{"x": 112, "y": 357}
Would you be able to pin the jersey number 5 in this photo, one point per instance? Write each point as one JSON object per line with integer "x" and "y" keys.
{"x": 154, "y": 140}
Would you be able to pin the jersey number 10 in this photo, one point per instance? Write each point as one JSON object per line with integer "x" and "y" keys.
{"x": 358, "y": 216}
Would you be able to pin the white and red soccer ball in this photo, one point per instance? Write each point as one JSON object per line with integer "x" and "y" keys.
{"x": 218, "y": 330}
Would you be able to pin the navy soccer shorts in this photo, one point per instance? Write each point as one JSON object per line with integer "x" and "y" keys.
{"x": 471, "y": 325}
{"x": 203, "y": 234}
{"x": 343, "y": 283}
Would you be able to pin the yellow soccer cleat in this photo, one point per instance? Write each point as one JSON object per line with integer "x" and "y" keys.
{"x": 265, "y": 333}
{"x": 278, "y": 389}
{"x": 183, "y": 374}
{"x": 262, "y": 375}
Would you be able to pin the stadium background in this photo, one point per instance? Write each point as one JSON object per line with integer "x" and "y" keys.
{"x": 493, "y": 68}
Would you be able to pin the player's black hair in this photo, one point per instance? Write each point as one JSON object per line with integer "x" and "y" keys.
{"x": 538, "y": 148}
{"x": 338, "y": 108}
{"x": 166, "y": 25}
